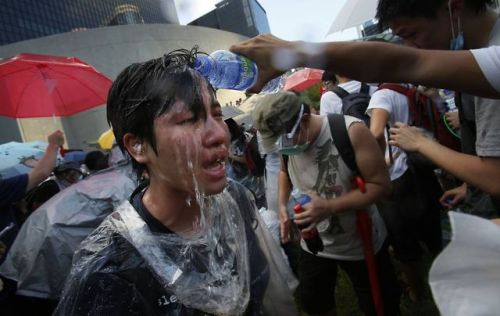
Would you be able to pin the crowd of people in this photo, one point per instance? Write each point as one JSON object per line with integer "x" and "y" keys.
{"x": 177, "y": 225}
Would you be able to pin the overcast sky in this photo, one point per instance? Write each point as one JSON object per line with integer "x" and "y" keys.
{"x": 307, "y": 20}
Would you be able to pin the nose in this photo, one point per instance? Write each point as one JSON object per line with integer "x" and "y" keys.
{"x": 215, "y": 132}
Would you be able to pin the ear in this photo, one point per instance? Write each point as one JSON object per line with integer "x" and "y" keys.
{"x": 135, "y": 147}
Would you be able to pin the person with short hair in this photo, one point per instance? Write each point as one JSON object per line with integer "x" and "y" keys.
{"x": 188, "y": 241}
{"x": 314, "y": 166}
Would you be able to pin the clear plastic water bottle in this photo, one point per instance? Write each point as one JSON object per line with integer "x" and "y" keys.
{"x": 226, "y": 70}
{"x": 312, "y": 238}
{"x": 448, "y": 97}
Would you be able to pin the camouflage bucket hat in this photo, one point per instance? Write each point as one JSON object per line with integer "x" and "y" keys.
{"x": 272, "y": 115}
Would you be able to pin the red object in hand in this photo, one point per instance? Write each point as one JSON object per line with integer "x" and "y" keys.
{"x": 364, "y": 224}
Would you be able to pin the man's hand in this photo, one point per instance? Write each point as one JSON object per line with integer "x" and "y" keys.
{"x": 56, "y": 138}
{"x": 273, "y": 56}
{"x": 453, "y": 120}
{"x": 284, "y": 225}
{"x": 408, "y": 138}
{"x": 453, "y": 197}
{"x": 314, "y": 212}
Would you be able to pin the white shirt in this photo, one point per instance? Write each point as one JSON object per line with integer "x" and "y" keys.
{"x": 321, "y": 169}
{"x": 489, "y": 62}
{"x": 396, "y": 104}
{"x": 331, "y": 103}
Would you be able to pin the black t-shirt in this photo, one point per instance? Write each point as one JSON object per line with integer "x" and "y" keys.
{"x": 124, "y": 285}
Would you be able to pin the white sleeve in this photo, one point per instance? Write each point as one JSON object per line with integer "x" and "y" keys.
{"x": 381, "y": 99}
{"x": 330, "y": 103}
{"x": 489, "y": 61}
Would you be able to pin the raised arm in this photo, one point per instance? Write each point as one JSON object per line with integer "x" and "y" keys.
{"x": 368, "y": 62}
{"x": 48, "y": 161}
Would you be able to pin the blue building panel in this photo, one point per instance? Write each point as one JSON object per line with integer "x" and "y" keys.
{"x": 27, "y": 19}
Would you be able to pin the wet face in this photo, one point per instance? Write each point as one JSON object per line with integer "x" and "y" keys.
{"x": 192, "y": 151}
{"x": 427, "y": 33}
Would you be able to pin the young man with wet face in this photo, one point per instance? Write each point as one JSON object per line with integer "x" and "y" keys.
{"x": 188, "y": 242}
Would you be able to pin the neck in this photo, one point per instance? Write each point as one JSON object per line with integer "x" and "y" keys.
{"x": 177, "y": 210}
{"x": 315, "y": 124}
{"x": 477, "y": 28}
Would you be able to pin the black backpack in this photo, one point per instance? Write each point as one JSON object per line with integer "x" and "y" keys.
{"x": 355, "y": 104}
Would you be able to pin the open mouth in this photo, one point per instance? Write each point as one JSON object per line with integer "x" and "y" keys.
{"x": 216, "y": 164}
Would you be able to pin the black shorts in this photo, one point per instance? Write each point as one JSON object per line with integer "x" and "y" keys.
{"x": 412, "y": 213}
{"x": 318, "y": 278}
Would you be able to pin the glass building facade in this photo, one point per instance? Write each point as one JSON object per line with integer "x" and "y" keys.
{"x": 245, "y": 17}
{"x": 26, "y": 19}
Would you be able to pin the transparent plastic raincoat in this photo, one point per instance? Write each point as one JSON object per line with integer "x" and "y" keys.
{"x": 232, "y": 266}
{"x": 40, "y": 258}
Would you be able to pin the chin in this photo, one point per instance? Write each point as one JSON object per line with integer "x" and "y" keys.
{"x": 214, "y": 187}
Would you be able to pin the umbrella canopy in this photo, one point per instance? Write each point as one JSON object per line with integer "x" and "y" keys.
{"x": 43, "y": 86}
{"x": 19, "y": 158}
{"x": 303, "y": 79}
{"x": 353, "y": 13}
{"x": 106, "y": 139}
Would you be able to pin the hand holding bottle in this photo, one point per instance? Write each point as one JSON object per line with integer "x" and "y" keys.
{"x": 309, "y": 234}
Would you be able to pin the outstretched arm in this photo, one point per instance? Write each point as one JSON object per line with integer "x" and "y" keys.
{"x": 368, "y": 62}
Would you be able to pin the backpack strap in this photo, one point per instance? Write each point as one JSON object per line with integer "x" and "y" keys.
{"x": 364, "y": 88}
{"x": 342, "y": 141}
{"x": 341, "y": 92}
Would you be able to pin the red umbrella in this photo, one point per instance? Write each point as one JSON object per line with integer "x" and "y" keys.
{"x": 43, "y": 86}
{"x": 303, "y": 79}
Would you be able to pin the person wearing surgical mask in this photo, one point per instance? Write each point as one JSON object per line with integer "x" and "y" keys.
{"x": 313, "y": 166}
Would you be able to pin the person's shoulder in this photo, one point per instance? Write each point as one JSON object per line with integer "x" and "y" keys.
{"x": 237, "y": 190}
{"x": 329, "y": 96}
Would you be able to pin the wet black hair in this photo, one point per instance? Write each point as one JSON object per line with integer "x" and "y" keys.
{"x": 144, "y": 91}
{"x": 387, "y": 10}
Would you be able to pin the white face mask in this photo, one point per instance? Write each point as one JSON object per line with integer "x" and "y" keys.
{"x": 285, "y": 142}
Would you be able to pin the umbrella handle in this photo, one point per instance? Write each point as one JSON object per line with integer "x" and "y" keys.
{"x": 364, "y": 224}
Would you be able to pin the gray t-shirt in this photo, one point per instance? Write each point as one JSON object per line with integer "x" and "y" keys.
{"x": 480, "y": 121}
{"x": 321, "y": 169}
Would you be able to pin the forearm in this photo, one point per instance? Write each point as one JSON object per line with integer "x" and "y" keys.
{"x": 44, "y": 166}
{"x": 284, "y": 187}
{"x": 482, "y": 173}
{"x": 356, "y": 200}
{"x": 363, "y": 61}
{"x": 386, "y": 62}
